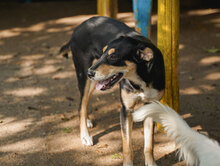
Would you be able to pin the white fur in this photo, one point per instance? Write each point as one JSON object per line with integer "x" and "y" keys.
{"x": 89, "y": 123}
{"x": 196, "y": 149}
{"x": 86, "y": 139}
{"x": 149, "y": 93}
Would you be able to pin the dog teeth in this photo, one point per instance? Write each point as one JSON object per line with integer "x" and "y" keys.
{"x": 114, "y": 76}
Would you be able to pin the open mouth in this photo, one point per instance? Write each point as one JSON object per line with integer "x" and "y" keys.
{"x": 109, "y": 82}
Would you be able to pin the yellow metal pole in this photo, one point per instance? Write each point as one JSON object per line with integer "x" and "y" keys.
{"x": 107, "y": 8}
{"x": 167, "y": 42}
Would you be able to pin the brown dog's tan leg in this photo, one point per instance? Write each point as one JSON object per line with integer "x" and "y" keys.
{"x": 126, "y": 129}
{"x": 84, "y": 121}
{"x": 148, "y": 142}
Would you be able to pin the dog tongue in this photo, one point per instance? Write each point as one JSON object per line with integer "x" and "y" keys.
{"x": 101, "y": 84}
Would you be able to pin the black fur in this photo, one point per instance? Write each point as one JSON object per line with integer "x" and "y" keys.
{"x": 91, "y": 36}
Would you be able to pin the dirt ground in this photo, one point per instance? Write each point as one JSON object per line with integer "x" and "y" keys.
{"x": 39, "y": 124}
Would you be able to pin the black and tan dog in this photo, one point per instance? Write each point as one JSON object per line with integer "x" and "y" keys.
{"x": 121, "y": 55}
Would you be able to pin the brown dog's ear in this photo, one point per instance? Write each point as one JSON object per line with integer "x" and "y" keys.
{"x": 104, "y": 48}
{"x": 146, "y": 54}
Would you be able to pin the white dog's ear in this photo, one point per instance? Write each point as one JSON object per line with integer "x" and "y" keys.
{"x": 146, "y": 54}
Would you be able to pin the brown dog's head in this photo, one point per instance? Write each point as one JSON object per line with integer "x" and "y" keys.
{"x": 122, "y": 58}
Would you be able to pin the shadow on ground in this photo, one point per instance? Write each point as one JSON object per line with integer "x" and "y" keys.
{"x": 39, "y": 96}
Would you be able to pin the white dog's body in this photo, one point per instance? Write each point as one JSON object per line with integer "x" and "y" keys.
{"x": 196, "y": 149}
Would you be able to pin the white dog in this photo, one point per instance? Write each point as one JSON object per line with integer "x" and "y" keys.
{"x": 196, "y": 149}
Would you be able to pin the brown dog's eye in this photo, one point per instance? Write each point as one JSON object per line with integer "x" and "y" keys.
{"x": 113, "y": 57}
{"x": 115, "y": 60}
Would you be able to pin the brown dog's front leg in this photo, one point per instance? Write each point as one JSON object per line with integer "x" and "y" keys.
{"x": 148, "y": 142}
{"x": 84, "y": 121}
{"x": 126, "y": 129}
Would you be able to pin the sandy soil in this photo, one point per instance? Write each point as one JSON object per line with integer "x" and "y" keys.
{"x": 39, "y": 96}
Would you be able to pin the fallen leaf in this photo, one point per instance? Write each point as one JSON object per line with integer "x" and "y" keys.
{"x": 116, "y": 156}
{"x": 1, "y": 121}
{"x": 99, "y": 151}
{"x": 191, "y": 78}
{"x": 59, "y": 69}
{"x": 56, "y": 78}
{"x": 102, "y": 146}
{"x": 64, "y": 118}
{"x": 25, "y": 76}
{"x": 70, "y": 98}
{"x": 45, "y": 45}
{"x": 214, "y": 85}
{"x": 213, "y": 50}
{"x": 67, "y": 130}
{"x": 32, "y": 108}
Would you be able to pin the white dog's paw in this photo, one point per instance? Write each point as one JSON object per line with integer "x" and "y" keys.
{"x": 89, "y": 123}
{"x": 87, "y": 140}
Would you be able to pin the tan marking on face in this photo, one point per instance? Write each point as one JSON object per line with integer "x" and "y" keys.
{"x": 104, "y": 48}
{"x": 111, "y": 51}
{"x": 147, "y": 54}
{"x": 131, "y": 67}
{"x": 94, "y": 61}
{"x": 104, "y": 70}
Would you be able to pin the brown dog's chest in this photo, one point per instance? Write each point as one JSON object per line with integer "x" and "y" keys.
{"x": 132, "y": 100}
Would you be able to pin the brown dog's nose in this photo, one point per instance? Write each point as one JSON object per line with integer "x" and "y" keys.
{"x": 90, "y": 73}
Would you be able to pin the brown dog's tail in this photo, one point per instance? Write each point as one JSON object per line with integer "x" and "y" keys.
{"x": 65, "y": 49}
